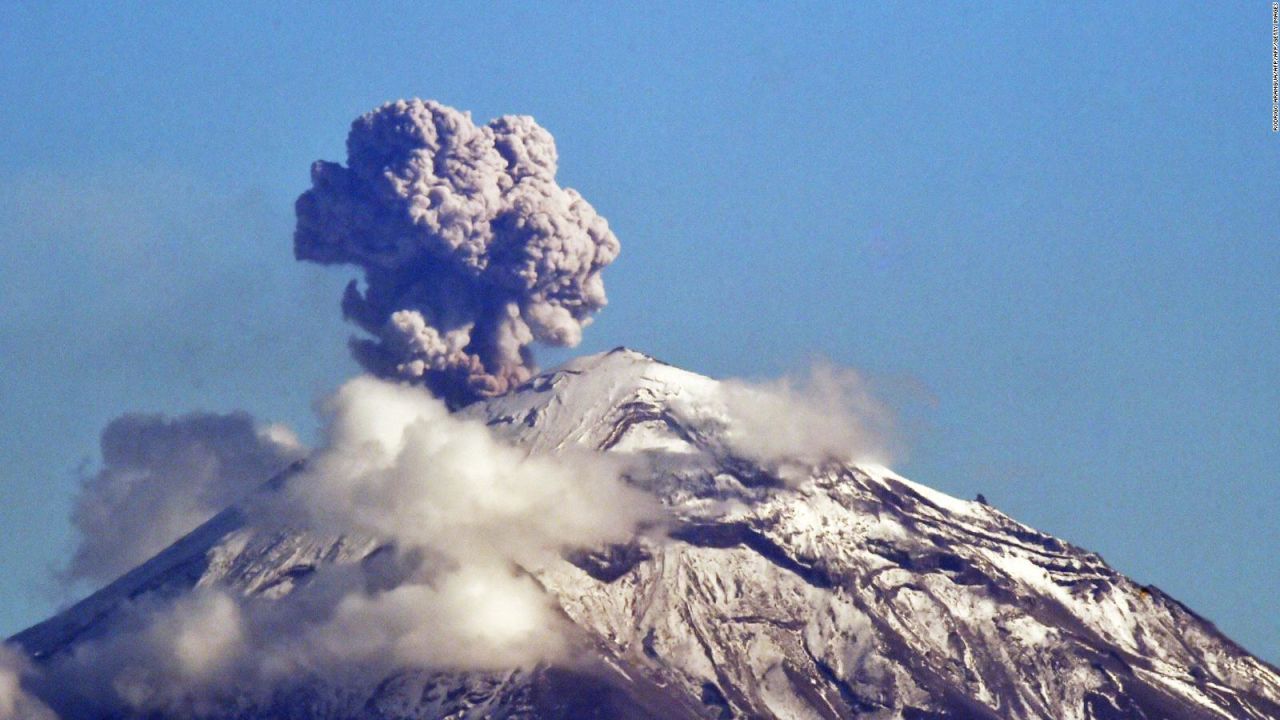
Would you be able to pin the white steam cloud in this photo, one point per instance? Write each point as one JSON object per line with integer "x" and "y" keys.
{"x": 470, "y": 249}
{"x": 825, "y": 414}
{"x": 161, "y": 477}
{"x": 397, "y": 464}
{"x": 465, "y": 523}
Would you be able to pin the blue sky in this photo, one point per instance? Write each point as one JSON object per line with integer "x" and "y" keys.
{"x": 1049, "y": 233}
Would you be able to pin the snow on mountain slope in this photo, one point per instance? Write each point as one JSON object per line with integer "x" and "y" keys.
{"x": 840, "y": 591}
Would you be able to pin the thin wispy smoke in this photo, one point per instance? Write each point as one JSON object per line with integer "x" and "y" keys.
{"x": 470, "y": 249}
{"x": 161, "y": 477}
{"x": 825, "y": 414}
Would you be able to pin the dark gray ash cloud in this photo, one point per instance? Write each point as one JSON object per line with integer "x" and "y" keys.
{"x": 471, "y": 251}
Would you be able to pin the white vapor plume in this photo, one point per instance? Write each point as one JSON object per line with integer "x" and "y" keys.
{"x": 161, "y": 477}
{"x": 828, "y": 413}
{"x": 398, "y": 465}
{"x": 470, "y": 249}
{"x": 473, "y": 517}
{"x": 463, "y": 523}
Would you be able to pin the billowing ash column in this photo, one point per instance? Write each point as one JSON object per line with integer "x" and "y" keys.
{"x": 471, "y": 251}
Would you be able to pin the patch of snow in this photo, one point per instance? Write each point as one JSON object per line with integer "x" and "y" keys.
{"x": 942, "y": 500}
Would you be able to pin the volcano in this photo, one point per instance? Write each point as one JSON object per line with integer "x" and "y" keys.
{"x": 839, "y": 590}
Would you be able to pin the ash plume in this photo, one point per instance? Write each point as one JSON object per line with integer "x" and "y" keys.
{"x": 470, "y": 249}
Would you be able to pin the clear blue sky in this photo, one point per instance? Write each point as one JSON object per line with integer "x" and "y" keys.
{"x": 1051, "y": 234}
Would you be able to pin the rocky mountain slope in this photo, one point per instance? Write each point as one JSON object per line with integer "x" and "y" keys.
{"x": 828, "y": 590}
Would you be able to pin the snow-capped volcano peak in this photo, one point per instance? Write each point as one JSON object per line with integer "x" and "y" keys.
{"x": 581, "y": 401}
{"x": 805, "y": 584}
